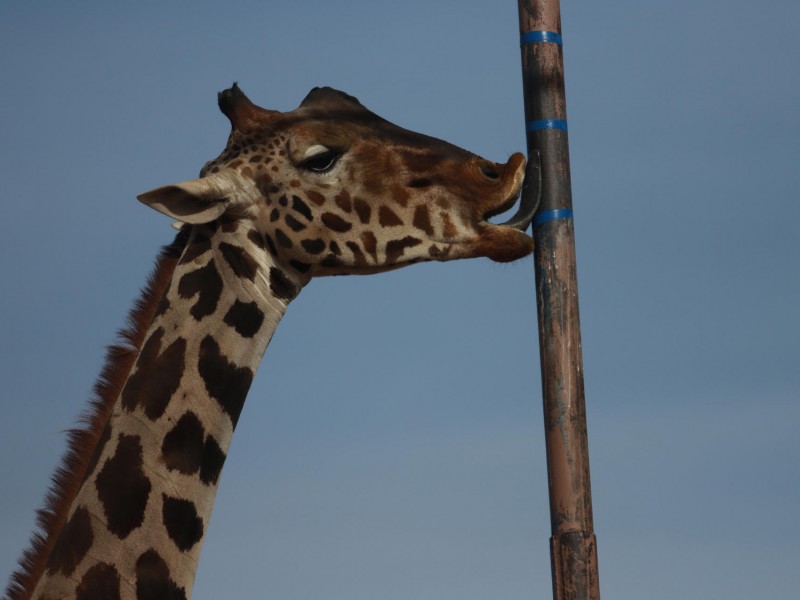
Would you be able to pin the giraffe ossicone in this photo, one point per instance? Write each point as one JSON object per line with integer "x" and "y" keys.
{"x": 327, "y": 189}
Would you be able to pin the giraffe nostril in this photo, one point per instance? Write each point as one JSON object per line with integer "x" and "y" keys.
{"x": 490, "y": 171}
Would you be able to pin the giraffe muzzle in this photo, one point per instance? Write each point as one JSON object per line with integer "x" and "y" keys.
{"x": 531, "y": 192}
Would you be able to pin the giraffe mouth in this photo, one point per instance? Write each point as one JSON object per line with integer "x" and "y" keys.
{"x": 530, "y": 189}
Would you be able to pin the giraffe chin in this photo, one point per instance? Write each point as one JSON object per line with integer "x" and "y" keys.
{"x": 503, "y": 243}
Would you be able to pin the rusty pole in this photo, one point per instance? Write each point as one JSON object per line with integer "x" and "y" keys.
{"x": 573, "y": 549}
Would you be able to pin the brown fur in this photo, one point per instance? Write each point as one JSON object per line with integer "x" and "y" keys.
{"x": 83, "y": 440}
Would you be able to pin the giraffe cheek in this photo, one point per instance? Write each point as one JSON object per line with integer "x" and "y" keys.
{"x": 402, "y": 249}
{"x": 336, "y": 223}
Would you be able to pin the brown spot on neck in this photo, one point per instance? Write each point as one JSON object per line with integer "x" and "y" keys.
{"x": 74, "y": 542}
{"x": 245, "y": 317}
{"x": 224, "y": 381}
{"x": 182, "y": 448}
{"x": 153, "y": 580}
{"x": 184, "y": 526}
{"x": 100, "y": 581}
{"x": 206, "y": 284}
{"x": 242, "y": 264}
{"x": 157, "y": 377}
{"x": 199, "y": 244}
{"x": 123, "y": 488}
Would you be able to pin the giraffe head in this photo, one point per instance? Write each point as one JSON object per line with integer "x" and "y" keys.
{"x": 336, "y": 189}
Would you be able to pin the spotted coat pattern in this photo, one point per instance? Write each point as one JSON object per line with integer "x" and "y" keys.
{"x": 329, "y": 188}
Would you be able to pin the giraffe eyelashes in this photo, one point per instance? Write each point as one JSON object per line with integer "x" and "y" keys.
{"x": 320, "y": 159}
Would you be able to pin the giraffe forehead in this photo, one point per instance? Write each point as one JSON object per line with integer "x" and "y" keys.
{"x": 326, "y": 117}
{"x": 301, "y": 130}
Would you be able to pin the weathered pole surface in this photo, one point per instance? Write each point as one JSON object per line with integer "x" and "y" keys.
{"x": 573, "y": 549}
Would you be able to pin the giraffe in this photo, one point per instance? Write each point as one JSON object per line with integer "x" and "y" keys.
{"x": 329, "y": 188}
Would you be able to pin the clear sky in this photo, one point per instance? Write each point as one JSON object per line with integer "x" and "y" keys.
{"x": 392, "y": 444}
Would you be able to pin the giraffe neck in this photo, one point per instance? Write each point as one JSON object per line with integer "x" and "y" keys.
{"x": 136, "y": 525}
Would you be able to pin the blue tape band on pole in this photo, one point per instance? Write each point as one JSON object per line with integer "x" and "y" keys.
{"x": 539, "y": 37}
{"x": 552, "y": 215}
{"x": 547, "y": 124}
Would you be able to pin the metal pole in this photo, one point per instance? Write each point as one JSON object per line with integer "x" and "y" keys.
{"x": 573, "y": 549}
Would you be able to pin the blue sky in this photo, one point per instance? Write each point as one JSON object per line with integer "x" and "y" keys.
{"x": 392, "y": 444}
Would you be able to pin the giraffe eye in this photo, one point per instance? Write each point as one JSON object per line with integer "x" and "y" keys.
{"x": 322, "y": 161}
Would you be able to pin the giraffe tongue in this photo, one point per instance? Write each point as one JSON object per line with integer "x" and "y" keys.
{"x": 531, "y": 195}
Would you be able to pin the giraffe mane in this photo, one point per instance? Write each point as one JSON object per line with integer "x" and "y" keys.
{"x": 83, "y": 439}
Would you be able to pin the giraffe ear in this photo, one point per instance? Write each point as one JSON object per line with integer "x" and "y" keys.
{"x": 195, "y": 201}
